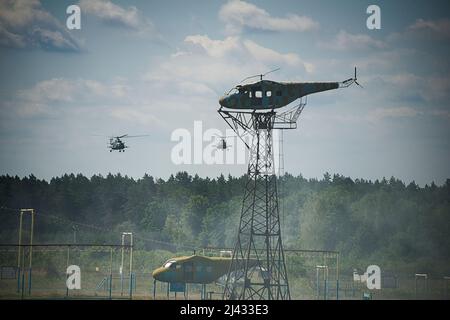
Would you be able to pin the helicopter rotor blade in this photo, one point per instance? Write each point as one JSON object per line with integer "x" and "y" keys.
{"x": 270, "y": 71}
{"x": 260, "y": 75}
{"x": 358, "y": 84}
{"x": 136, "y": 136}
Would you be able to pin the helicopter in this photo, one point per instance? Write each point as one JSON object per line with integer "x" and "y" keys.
{"x": 194, "y": 269}
{"x": 116, "y": 143}
{"x": 223, "y": 145}
{"x": 266, "y": 94}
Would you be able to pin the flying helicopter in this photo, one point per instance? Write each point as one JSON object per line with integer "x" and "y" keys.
{"x": 266, "y": 94}
{"x": 116, "y": 142}
{"x": 223, "y": 145}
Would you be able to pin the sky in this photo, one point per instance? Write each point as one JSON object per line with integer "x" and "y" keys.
{"x": 152, "y": 67}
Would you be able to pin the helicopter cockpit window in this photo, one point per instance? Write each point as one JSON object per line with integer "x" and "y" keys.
{"x": 170, "y": 264}
{"x": 234, "y": 91}
{"x": 268, "y": 93}
{"x": 249, "y": 94}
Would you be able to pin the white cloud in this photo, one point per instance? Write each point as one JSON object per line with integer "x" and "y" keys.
{"x": 347, "y": 41}
{"x": 25, "y": 24}
{"x": 242, "y": 51}
{"x": 396, "y": 112}
{"x": 271, "y": 56}
{"x": 437, "y": 27}
{"x": 240, "y": 15}
{"x": 113, "y": 14}
{"x": 430, "y": 88}
{"x": 214, "y": 48}
{"x": 51, "y": 96}
{"x": 143, "y": 116}
{"x": 187, "y": 85}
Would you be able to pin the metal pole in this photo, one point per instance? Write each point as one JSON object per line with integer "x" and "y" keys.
{"x": 121, "y": 267}
{"x": 23, "y": 281}
{"x": 317, "y": 283}
{"x": 325, "y": 275}
{"x": 337, "y": 276}
{"x": 326, "y": 282}
{"x": 23, "y": 272}
{"x": 31, "y": 236}
{"x": 31, "y": 251}
{"x": 110, "y": 274}
{"x": 67, "y": 265}
{"x": 131, "y": 265}
{"x": 131, "y": 286}
{"x": 18, "y": 251}
{"x": 20, "y": 238}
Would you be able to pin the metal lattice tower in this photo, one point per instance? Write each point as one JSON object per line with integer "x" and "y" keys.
{"x": 258, "y": 269}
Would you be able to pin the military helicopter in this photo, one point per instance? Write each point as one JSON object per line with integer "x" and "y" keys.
{"x": 116, "y": 143}
{"x": 223, "y": 145}
{"x": 266, "y": 94}
{"x": 194, "y": 269}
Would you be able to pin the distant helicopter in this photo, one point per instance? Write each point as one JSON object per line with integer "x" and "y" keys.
{"x": 223, "y": 145}
{"x": 266, "y": 94}
{"x": 116, "y": 143}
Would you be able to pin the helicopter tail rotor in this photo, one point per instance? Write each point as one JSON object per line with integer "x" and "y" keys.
{"x": 349, "y": 82}
{"x": 355, "y": 80}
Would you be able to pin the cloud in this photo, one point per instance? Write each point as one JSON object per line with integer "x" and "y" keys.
{"x": 25, "y": 24}
{"x": 271, "y": 56}
{"x": 380, "y": 114}
{"x": 214, "y": 48}
{"x": 110, "y": 13}
{"x": 240, "y": 15}
{"x": 440, "y": 28}
{"x": 142, "y": 115}
{"x": 430, "y": 88}
{"x": 345, "y": 41}
{"x": 49, "y": 97}
{"x": 235, "y": 48}
{"x": 204, "y": 69}
{"x": 186, "y": 86}
{"x": 396, "y": 112}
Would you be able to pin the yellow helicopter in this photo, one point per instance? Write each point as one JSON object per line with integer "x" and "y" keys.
{"x": 194, "y": 269}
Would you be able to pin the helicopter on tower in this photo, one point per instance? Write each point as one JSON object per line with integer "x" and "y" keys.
{"x": 269, "y": 95}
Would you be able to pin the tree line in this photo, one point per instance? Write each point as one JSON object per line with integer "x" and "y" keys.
{"x": 383, "y": 222}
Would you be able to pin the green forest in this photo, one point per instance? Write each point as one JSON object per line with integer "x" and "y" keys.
{"x": 384, "y": 222}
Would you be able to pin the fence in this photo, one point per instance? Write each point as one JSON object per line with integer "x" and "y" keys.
{"x": 106, "y": 273}
{"x": 41, "y": 271}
